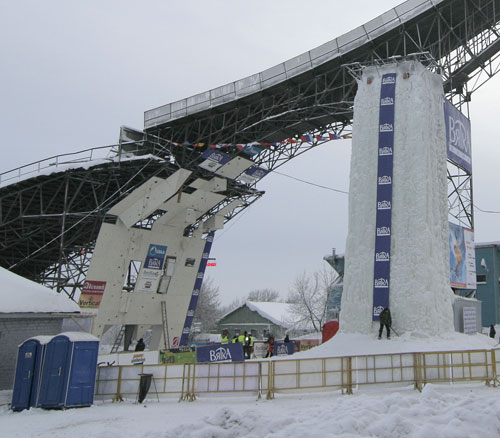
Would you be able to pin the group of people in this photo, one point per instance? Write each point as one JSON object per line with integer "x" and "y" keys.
{"x": 246, "y": 339}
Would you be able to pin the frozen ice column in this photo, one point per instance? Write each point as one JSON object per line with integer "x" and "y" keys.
{"x": 420, "y": 297}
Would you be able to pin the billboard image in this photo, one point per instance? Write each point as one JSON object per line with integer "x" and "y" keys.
{"x": 458, "y": 137}
{"x": 150, "y": 274}
{"x": 91, "y": 295}
{"x": 462, "y": 258}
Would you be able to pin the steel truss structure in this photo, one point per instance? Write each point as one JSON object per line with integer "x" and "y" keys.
{"x": 49, "y": 223}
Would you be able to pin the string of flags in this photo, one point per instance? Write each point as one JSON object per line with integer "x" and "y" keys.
{"x": 255, "y": 147}
{"x": 213, "y": 160}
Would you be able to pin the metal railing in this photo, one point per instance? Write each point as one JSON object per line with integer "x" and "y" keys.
{"x": 265, "y": 378}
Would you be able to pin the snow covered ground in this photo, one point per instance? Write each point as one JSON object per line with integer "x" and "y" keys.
{"x": 459, "y": 410}
{"x": 439, "y": 411}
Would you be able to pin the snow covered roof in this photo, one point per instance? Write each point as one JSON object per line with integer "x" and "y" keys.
{"x": 79, "y": 336}
{"x": 20, "y": 295}
{"x": 278, "y": 313}
{"x": 487, "y": 244}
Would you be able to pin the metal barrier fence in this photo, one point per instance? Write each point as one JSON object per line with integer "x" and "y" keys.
{"x": 268, "y": 377}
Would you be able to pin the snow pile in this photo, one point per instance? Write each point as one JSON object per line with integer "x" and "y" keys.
{"x": 420, "y": 294}
{"x": 357, "y": 344}
{"x": 20, "y": 295}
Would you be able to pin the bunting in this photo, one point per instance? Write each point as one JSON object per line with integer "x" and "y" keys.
{"x": 256, "y": 147}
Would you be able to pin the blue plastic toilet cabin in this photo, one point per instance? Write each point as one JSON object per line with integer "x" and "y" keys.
{"x": 68, "y": 371}
{"x": 27, "y": 378}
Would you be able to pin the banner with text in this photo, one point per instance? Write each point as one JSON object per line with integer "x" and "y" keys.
{"x": 220, "y": 353}
{"x": 196, "y": 290}
{"x": 382, "y": 259}
{"x": 462, "y": 257}
{"x": 91, "y": 295}
{"x": 458, "y": 137}
{"x": 149, "y": 276}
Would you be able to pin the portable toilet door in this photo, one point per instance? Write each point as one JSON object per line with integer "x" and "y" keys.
{"x": 29, "y": 359}
{"x": 83, "y": 370}
{"x": 54, "y": 374}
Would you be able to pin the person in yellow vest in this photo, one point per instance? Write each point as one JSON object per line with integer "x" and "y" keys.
{"x": 224, "y": 339}
{"x": 235, "y": 339}
{"x": 241, "y": 338}
{"x": 251, "y": 339}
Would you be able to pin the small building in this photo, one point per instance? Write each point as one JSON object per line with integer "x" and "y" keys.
{"x": 27, "y": 309}
{"x": 488, "y": 281}
{"x": 262, "y": 319}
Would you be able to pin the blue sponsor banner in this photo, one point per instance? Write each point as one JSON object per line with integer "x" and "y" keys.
{"x": 155, "y": 257}
{"x": 253, "y": 174}
{"x": 283, "y": 348}
{"x": 220, "y": 353}
{"x": 382, "y": 258}
{"x": 213, "y": 160}
{"x": 197, "y": 288}
{"x": 458, "y": 137}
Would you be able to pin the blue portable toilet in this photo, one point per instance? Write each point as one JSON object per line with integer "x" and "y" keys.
{"x": 68, "y": 371}
{"x": 29, "y": 364}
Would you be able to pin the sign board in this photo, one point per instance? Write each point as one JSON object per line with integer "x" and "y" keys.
{"x": 149, "y": 276}
{"x": 91, "y": 295}
{"x": 470, "y": 323}
{"x": 382, "y": 257}
{"x": 462, "y": 257}
{"x": 253, "y": 174}
{"x": 283, "y": 348}
{"x": 458, "y": 137}
{"x": 213, "y": 160}
{"x": 220, "y": 353}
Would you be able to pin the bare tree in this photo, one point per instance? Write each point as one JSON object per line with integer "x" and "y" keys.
{"x": 208, "y": 309}
{"x": 264, "y": 295}
{"x": 309, "y": 295}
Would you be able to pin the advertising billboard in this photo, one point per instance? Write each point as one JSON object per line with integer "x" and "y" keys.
{"x": 91, "y": 295}
{"x": 382, "y": 258}
{"x": 462, "y": 257}
{"x": 458, "y": 137}
{"x": 148, "y": 279}
{"x": 220, "y": 353}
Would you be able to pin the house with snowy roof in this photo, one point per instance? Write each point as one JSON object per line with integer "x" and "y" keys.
{"x": 28, "y": 309}
{"x": 262, "y": 319}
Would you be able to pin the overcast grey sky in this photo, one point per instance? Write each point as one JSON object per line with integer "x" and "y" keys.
{"x": 72, "y": 72}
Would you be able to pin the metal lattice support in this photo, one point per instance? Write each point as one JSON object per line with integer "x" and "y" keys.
{"x": 49, "y": 224}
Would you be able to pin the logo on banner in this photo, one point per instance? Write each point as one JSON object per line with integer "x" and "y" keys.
{"x": 186, "y": 330}
{"x": 281, "y": 349}
{"x": 205, "y": 255}
{"x": 196, "y": 292}
{"x": 210, "y": 238}
{"x": 190, "y": 313}
{"x": 156, "y": 251}
{"x": 384, "y": 205}
{"x": 377, "y": 310}
{"x": 219, "y": 354}
{"x": 216, "y": 156}
{"x": 387, "y": 101}
{"x": 386, "y": 150}
{"x": 382, "y": 256}
{"x": 386, "y": 127}
{"x": 381, "y": 283}
{"x": 459, "y": 135}
{"x": 200, "y": 275}
{"x": 384, "y": 180}
{"x": 389, "y": 80}
{"x": 383, "y": 231}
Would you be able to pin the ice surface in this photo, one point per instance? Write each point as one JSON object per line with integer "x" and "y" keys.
{"x": 420, "y": 294}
